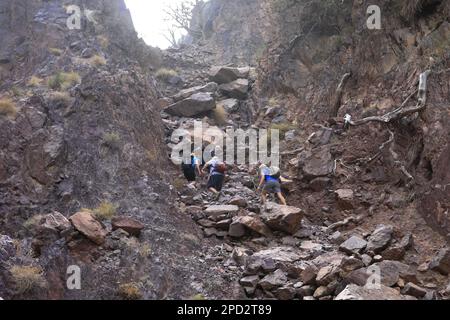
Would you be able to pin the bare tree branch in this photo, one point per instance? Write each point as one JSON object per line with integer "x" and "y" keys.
{"x": 402, "y": 111}
{"x": 339, "y": 93}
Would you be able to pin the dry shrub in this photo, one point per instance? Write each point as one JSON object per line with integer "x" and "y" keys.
{"x": 220, "y": 115}
{"x": 28, "y": 278}
{"x": 58, "y": 97}
{"x": 97, "y": 60}
{"x": 35, "y": 81}
{"x": 130, "y": 291}
{"x": 55, "y": 51}
{"x": 7, "y": 108}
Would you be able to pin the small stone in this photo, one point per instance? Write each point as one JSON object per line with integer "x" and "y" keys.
{"x": 441, "y": 263}
{"x": 380, "y": 238}
{"x": 285, "y": 293}
{"x": 273, "y": 280}
{"x": 250, "y": 281}
{"x": 308, "y": 276}
{"x": 414, "y": 290}
{"x": 353, "y": 245}
{"x": 345, "y": 198}
{"x": 238, "y": 201}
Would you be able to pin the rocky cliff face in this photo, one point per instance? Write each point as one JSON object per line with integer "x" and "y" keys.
{"x": 304, "y": 48}
{"x": 82, "y": 136}
{"x": 79, "y": 128}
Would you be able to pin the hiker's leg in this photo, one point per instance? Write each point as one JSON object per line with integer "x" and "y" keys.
{"x": 282, "y": 199}
{"x": 263, "y": 197}
{"x": 213, "y": 190}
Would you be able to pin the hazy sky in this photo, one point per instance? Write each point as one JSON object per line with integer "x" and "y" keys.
{"x": 148, "y": 19}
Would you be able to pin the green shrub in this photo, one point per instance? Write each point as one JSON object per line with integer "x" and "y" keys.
{"x": 64, "y": 80}
{"x": 111, "y": 140}
{"x": 55, "y": 51}
{"x": 105, "y": 211}
{"x": 165, "y": 74}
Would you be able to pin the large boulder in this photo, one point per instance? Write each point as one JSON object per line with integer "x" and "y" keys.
{"x": 282, "y": 218}
{"x": 380, "y": 238}
{"x": 254, "y": 224}
{"x": 441, "y": 262}
{"x": 86, "y": 224}
{"x": 392, "y": 271}
{"x": 130, "y": 225}
{"x": 353, "y": 245}
{"x": 270, "y": 259}
{"x": 354, "y": 292}
{"x": 194, "y": 105}
{"x": 186, "y": 93}
{"x": 221, "y": 74}
{"x": 345, "y": 198}
{"x": 273, "y": 280}
{"x": 316, "y": 163}
{"x": 237, "y": 89}
{"x": 230, "y": 105}
{"x": 216, "y": 211}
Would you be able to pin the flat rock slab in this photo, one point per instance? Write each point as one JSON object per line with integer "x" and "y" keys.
{"x": 237, "y": 89}
{"x": 279, "y": 254}
{"x": 222, "y": 74}
{"x": 130, "y": 225}
{"x": 218, "y": 210}
{"x": 194, "y": 105}
{"x": 354, "y": 292}
{"x": 186, "y": 93}
{"x": 86, "y": 224}
{"x": 353, "y": 245}
{"x": 282, "y": 218}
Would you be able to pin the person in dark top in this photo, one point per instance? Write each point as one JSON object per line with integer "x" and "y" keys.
{"x": 190, "y": 170}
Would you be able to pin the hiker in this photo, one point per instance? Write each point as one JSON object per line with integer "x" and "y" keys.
{"x": 270, "y": 182}
{"x": 190, "y": 170}
{"x": 217, "y": 171}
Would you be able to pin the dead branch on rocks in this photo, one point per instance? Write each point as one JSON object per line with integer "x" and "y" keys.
{"x": 401, "y": 111}
{"x": 343, "y": 223}
{"x": 396, "y": 115}
{"x": 291, "y": 152}
{"x": 339, "y": 94}
{"x": 368, "y": 160}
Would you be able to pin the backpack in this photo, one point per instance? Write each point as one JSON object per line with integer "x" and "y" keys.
{"x": 220, "y": 168}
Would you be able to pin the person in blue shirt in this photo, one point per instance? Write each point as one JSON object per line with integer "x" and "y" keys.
{"x": 216, "y": 178}
{"x": 190, "y": 170}
{"x": 270, "y": 182}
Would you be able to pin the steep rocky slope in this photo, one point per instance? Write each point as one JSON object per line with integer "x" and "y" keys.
{"x": 80, "y": 129}
{"x": 82, "y": 135}
{"x": 308, "y": 46}
{"x": 343, "y": 175}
